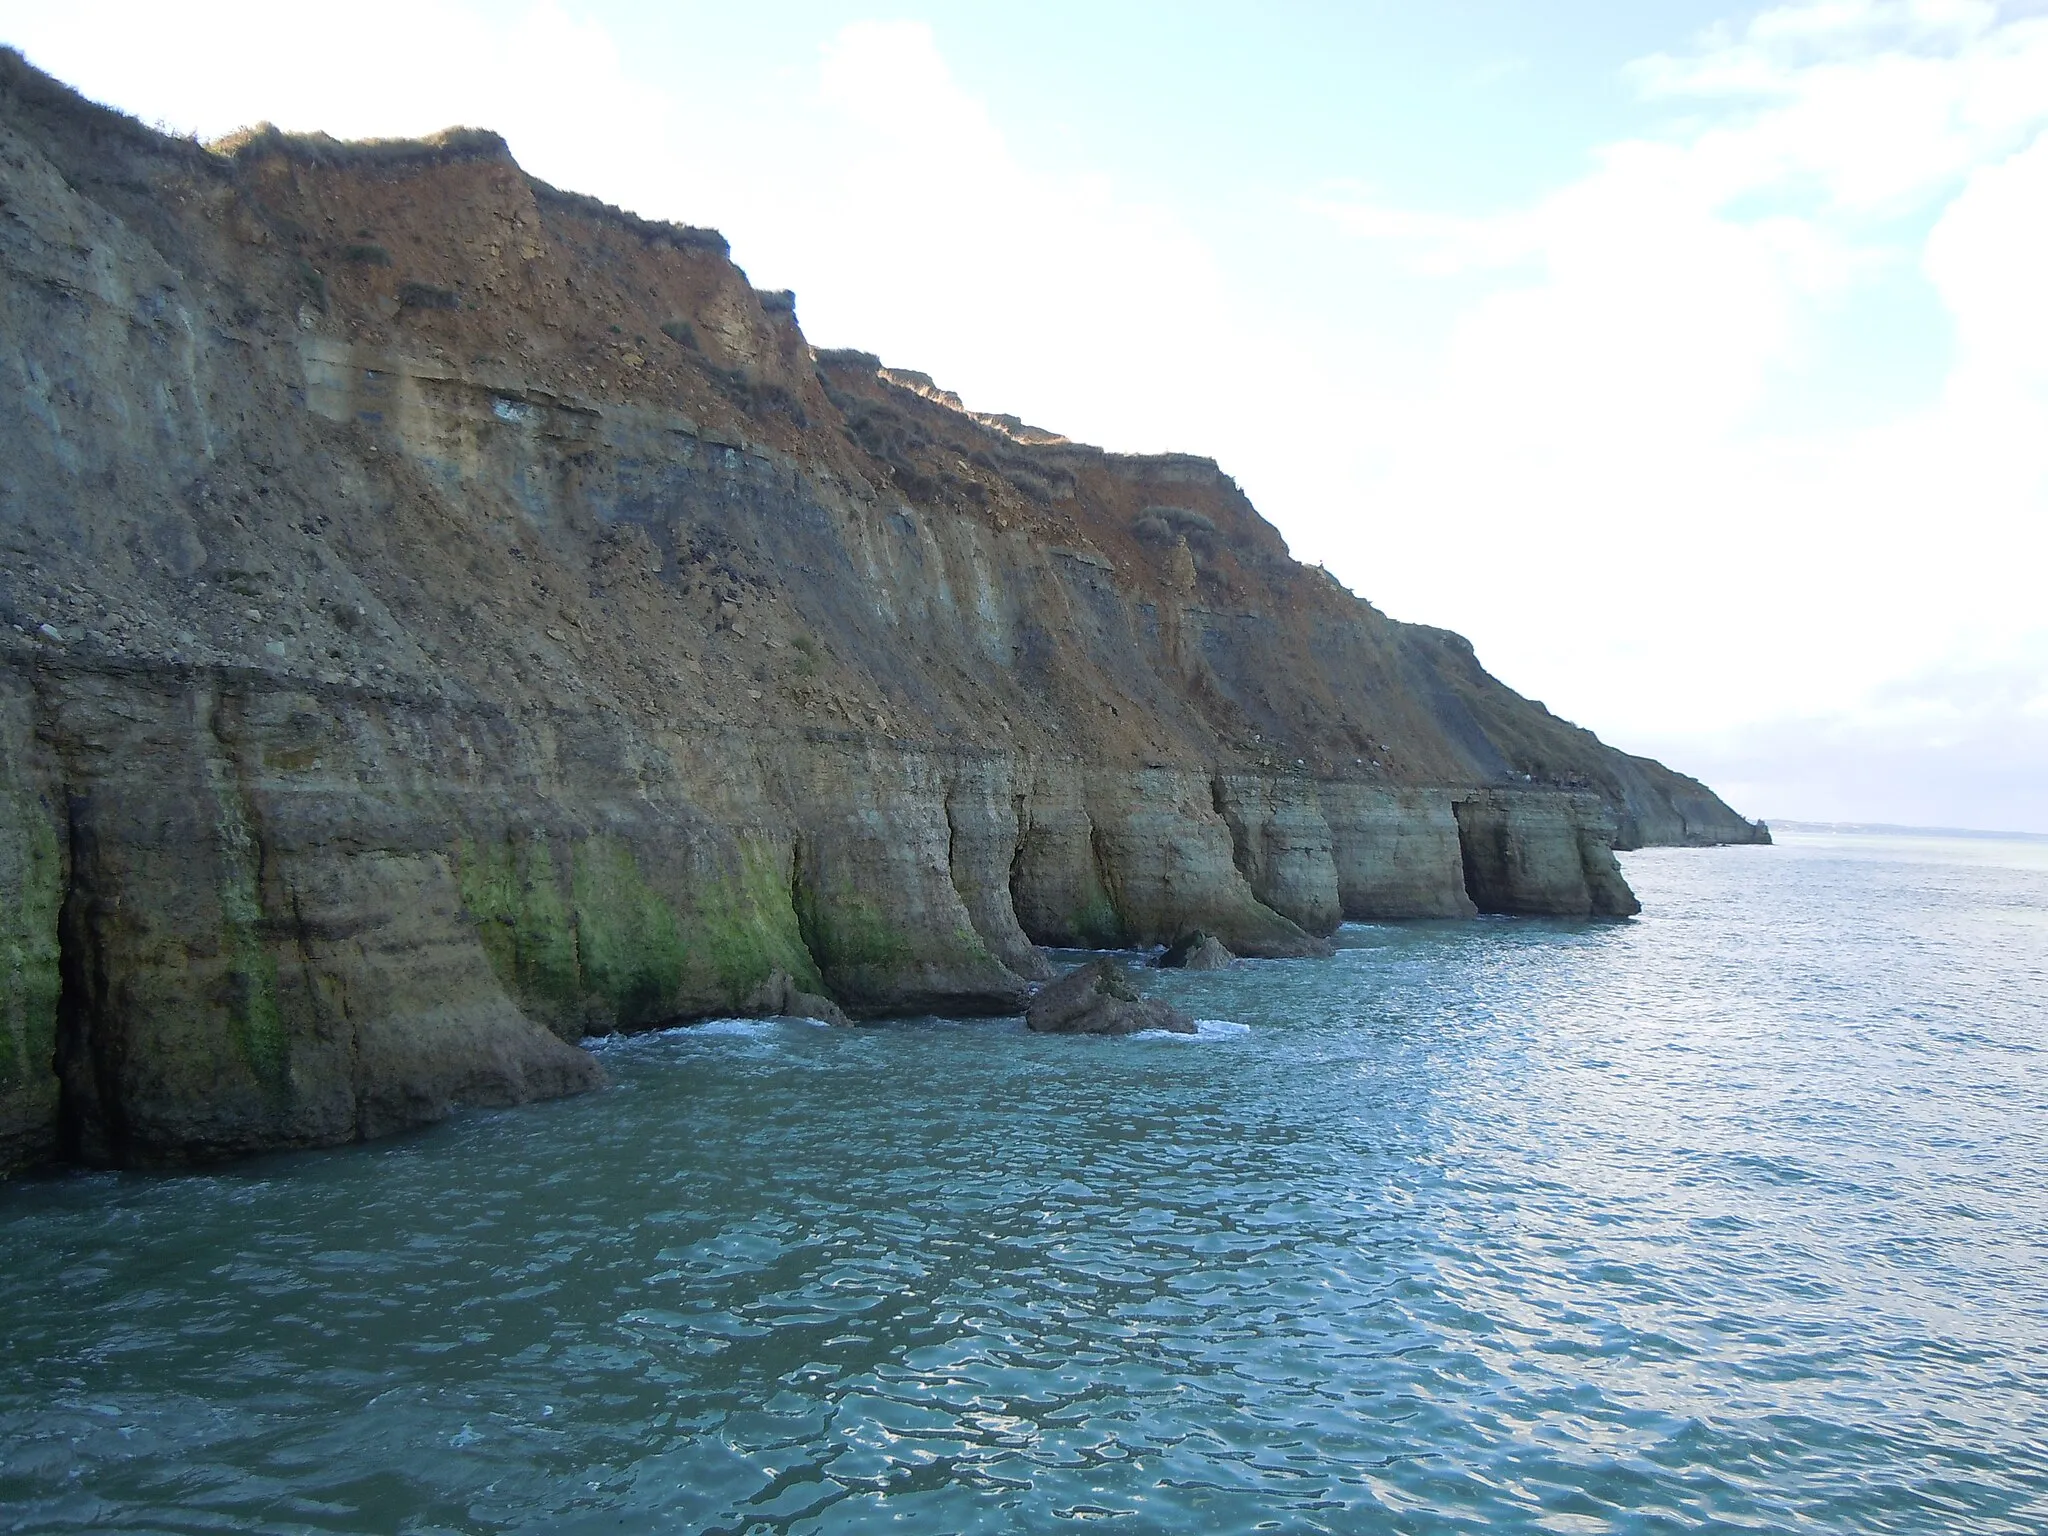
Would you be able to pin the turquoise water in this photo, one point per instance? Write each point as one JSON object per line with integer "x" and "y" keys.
{"x": 1732, "y": 1218}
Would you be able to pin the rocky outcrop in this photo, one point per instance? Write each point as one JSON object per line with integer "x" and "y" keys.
{"x": 443, "y": 618}
{"x": 1541, "y": 853}
{"x": 1286, "y": 848}
{"x": 1194, "y": 952}
{"x": 34, "y": 875}
{"x": 779, "y": 997}
{"x": 1099, "y": 999}
{"x": 1396, "y": 851}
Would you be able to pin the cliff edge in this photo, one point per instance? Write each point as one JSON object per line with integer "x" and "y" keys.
{"x": 443, "y": 617}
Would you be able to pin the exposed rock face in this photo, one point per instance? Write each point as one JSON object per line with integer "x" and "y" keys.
{"x": 33, "y": 879}
{"x": 242, "y": 969}
{"x": 1392, "y": 848}
{"x": 442, "y": 618}
{"x": 1194, "y": 952}
{"x": 1098, "y": 999}
{"x": 779, "y": 997}
{"x": 1550, "y": 854}
{"x": 1284, "y": 844}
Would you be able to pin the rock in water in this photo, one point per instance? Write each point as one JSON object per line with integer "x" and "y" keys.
{"x": 779, "y": 997}
{"x": 1195, "y": 951}
{"x": 1098, "y": 999}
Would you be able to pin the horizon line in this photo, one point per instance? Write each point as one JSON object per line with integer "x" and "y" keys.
{"x": 1791, "y": 824}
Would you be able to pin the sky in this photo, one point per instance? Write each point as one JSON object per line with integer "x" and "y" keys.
{"x": 1689, "y": 357}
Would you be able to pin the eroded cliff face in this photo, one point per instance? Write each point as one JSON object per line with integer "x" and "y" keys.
{"x": 442, "y": 618}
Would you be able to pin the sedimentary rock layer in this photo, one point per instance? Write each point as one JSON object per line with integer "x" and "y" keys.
{"x": 442, "y": 618}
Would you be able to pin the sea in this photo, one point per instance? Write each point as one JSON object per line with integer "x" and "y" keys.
{"x": 1729, "y": 1218}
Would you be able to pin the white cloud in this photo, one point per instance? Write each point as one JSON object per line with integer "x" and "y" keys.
{"x": 1879, "y": 104}
{"x": 1988, "y": 258}
{"x": 918, "y": 230}
{"x": 889, "y": 78}
{"x": 1598, "y": 484}
{"x": 1960, "y": 744}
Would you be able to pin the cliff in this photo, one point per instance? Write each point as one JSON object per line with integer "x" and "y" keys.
{"x": 443, "y": 617}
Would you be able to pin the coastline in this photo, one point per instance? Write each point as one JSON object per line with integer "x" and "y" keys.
{"x": 447, "y": 619}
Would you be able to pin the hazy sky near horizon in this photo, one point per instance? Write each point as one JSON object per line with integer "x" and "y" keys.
{"x": 1691, "y": 358}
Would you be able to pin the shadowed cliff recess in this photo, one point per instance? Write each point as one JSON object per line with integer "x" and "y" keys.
{"x": 443, "y": 617}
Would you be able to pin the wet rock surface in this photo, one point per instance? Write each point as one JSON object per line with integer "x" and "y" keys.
{"x": 1099, "y": 998}
{"x": 780, "y": 998}
{"x": 1194, "y": 952}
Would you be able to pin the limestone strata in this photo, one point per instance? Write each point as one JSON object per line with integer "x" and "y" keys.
{"x": 1396, "y": 851}
{"x": 1286, "y": 848}
{"x": 443, "y": 618}
{"x": 34, "y": 874}
{"x": 252, "y": 956}
{"x": 1541, "y": 853}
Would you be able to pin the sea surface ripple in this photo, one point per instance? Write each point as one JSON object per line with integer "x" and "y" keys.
{"x": 1730, "y": 1218}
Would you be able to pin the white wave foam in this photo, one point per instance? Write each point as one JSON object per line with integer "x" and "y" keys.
{"x": 747, "y": 1027}
{"x": 753, "y": 1026}
{"x": 744, "y": 1029}
{"x": 1205, "y": 1029}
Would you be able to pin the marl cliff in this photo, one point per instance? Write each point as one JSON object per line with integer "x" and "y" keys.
{"x": 442, "y": 617}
